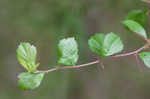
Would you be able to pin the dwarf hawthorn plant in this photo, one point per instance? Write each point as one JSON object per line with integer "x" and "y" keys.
{"x": 104, "y": 45}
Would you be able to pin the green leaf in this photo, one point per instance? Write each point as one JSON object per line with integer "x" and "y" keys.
{"x": 145, "y": 56}
{"x": 28, "y": 81}
{"x": 26, "y": 54}
{"x": 105, "y": 45}
{"x": 96, "y": 43}
{"x": 68, "y": 51}
{"x": 138, "y": 15}
{"x": 135, "y": 27}
{"x": 112, "y": 44}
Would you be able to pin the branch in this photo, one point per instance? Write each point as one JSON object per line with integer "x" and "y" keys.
{"x": 140, "y": 36}
{"x": 130, "y": 53}
{"x": 95, "y": 62}
{"x": 138, "y": 62}
{"x": 68, "y": 67}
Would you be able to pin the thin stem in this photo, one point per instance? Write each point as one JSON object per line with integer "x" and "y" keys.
{"x": 68, "y": 67}
{"x": 142, "y": 37}
{"x": 130, "y": 53}
{"x": 138, "y": 62}
{"x": 92, "y": 63}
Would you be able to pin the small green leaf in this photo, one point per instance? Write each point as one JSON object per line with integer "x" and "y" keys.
{"x": 112, "y": 44}
{"x": 135, "y": 27}
{"x": 26, "y": 55}
{"x": 138, "y": 15}
{"x": 68, "y": 51}
{"x": 96, "y": 43}
{"x": 28, "y": 81}
{"x": 105, "y": 45}
{"x": 145, "y": 57}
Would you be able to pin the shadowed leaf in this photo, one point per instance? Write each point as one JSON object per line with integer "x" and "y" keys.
{"x": 138, "y": 15}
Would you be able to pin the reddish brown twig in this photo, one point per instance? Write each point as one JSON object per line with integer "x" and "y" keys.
{"x": 130, "y": 53}
{"x": 138, "y": 62}
{"x": 68, "y": 67}
{"x": 91, "y": 63}
{"x": 142, "y": 37}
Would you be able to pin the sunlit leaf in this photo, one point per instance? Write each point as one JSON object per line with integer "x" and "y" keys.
{"x": 29, "y": 81}
{"x": 105, "y": 45}
{"x": 26, "y": 54}
{"x": 135, "y": 27}
{"x": 112, "y": 44}
{"x": 68, "y": 51}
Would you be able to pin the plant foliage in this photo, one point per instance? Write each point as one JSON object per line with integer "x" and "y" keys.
{"x": 68, "y": 51}
{"x": 103, "y": 45}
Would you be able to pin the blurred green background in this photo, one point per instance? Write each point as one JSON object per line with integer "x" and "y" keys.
{"x": 44, "y": 22}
